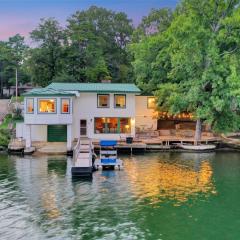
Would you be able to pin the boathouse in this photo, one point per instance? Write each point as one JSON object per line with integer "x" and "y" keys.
{"x": 63, "y": 112}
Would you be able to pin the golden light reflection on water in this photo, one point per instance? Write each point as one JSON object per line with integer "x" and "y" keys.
{"x": 160, "y": 180}
{"x": 49, "y": 204}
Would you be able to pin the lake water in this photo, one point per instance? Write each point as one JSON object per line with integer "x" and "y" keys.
{"x": 168, "y": 196}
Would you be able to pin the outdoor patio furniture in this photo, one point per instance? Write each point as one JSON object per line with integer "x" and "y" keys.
{"x": 185, "y": 133}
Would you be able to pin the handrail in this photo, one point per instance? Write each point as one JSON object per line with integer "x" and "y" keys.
{"x": 77, "y": 149}
{"x": 90, "y": 151}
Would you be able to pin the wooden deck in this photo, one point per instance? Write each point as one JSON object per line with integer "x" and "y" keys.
{"x": 168, "y": 140}
{"x": 157, "y": 143}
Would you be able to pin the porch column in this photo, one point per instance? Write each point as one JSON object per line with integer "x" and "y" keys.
{"x": 69, "y": 137}
{"x": 133, "y": 126}
{"x": 28, "y": 136}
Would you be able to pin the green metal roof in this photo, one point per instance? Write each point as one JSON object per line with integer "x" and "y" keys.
{"x": 47, "y": 92}
{"x": 96, "y": 87}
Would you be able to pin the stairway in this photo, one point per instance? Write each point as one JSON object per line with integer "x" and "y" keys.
{"x": 82, "y": 158}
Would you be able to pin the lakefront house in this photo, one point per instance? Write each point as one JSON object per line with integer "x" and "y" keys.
{"x": 63, "y": 112}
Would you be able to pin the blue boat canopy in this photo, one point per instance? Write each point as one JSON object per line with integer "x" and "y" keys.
{"x": 108, "y": 143}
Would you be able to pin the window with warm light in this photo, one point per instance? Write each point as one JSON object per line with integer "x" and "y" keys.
{"x": 47, "y": 105}
{"x": 112, "y": 125}
{"x": 65, "y": 105}
{"x": 151, "y": 102}
{"x": 119, "y": 101}
{"x": 103, "y": 100}
{"x": 30, "y": 105}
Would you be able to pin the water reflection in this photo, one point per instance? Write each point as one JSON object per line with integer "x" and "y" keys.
{"x": 184, "y": 176}
{"x": 53, "y": 206}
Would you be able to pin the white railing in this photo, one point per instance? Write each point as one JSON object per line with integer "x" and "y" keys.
{"x": 76, "y": 150}
{"x": 80, "y": 150}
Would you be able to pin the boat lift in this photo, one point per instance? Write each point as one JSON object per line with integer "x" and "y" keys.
{"x": 108, "y": 156}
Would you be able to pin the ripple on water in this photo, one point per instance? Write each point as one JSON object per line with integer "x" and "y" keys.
{"x": 39, "y": 200}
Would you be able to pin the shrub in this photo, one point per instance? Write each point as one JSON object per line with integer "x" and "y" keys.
{"x": 5, "y": 137}
{"x": 17, "y": 114}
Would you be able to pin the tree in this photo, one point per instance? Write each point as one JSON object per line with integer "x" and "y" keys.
{"x": 97, "y": 41}
{"x": 199, "y": 55}
{"x": 5, "y": 53}
{"x": 157, "y": 21}
{"x": 12, "y": 57}
{"x": 148, "y": 72}
{"x": 18, "y": 57}
{"x": 46, "y": 60}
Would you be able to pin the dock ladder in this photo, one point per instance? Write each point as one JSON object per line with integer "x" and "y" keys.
{"x": 82, "y": 158}
{"x": 108, "y": 155}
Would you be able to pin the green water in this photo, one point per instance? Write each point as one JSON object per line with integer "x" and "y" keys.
{"x": 168, "y": 196}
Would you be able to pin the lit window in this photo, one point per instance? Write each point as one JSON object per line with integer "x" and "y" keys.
{"x": 120, "y": 101}
{"x": 103, "y": 101}
{"x": 151, "y": 102}
{"x": 112, "y": 125}
{"x": 65, "y": 105}
{"x": 47, "y": 105}
{"x": 30, "y": 105}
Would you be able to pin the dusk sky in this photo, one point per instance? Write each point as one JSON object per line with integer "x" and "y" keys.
{"x": 22, "y": 16}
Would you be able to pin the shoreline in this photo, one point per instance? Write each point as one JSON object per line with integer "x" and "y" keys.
{"x": 135, "y": 152}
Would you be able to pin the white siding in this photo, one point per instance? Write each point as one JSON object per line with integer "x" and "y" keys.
{"x": 38, "y": 132}
{"x": 144, "y": 116}
{"x": 20, "y": 130}
{"x": 82, "y": 107}
{"x": 48, "y": 118}
{"x": 85, "y": 107}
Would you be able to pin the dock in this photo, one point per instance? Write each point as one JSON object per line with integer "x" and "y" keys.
{"x": 82, "y": 159}
{"x": 125, "y": 147}
{"x": 163, "y": 143}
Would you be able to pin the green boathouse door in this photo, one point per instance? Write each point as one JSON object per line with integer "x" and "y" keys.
{"x": 57, "y": 133}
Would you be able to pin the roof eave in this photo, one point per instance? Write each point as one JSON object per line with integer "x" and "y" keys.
{"x": 48, "y": 95}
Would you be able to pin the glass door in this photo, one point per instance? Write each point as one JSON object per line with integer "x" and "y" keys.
{"x": 83, "y": 127}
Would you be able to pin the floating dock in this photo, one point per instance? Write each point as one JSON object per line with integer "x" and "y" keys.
{"x": 108, "y": 155}
{"x": 82, "y": 159}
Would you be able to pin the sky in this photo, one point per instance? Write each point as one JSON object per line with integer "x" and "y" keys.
{"x": 22, "y": 16}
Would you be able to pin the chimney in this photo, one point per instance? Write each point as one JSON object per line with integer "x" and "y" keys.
{"x": 106, "y": 81}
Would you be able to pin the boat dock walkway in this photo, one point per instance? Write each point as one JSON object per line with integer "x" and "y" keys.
{"x": 82, "y": 158}
{"x": 160, "y": 143}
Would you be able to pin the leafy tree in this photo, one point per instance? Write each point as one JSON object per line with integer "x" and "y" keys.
{"x": 97, "y": 45}
{"x": 46, "y": 60}
{"x": 5, "y": 53}
{"x": 157, "y": 21}
{"x": 12, "y": 57}
{"x": 148, "y": 72}
{"x": 198, "y": 56}
{"x": 18, "y": 56}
